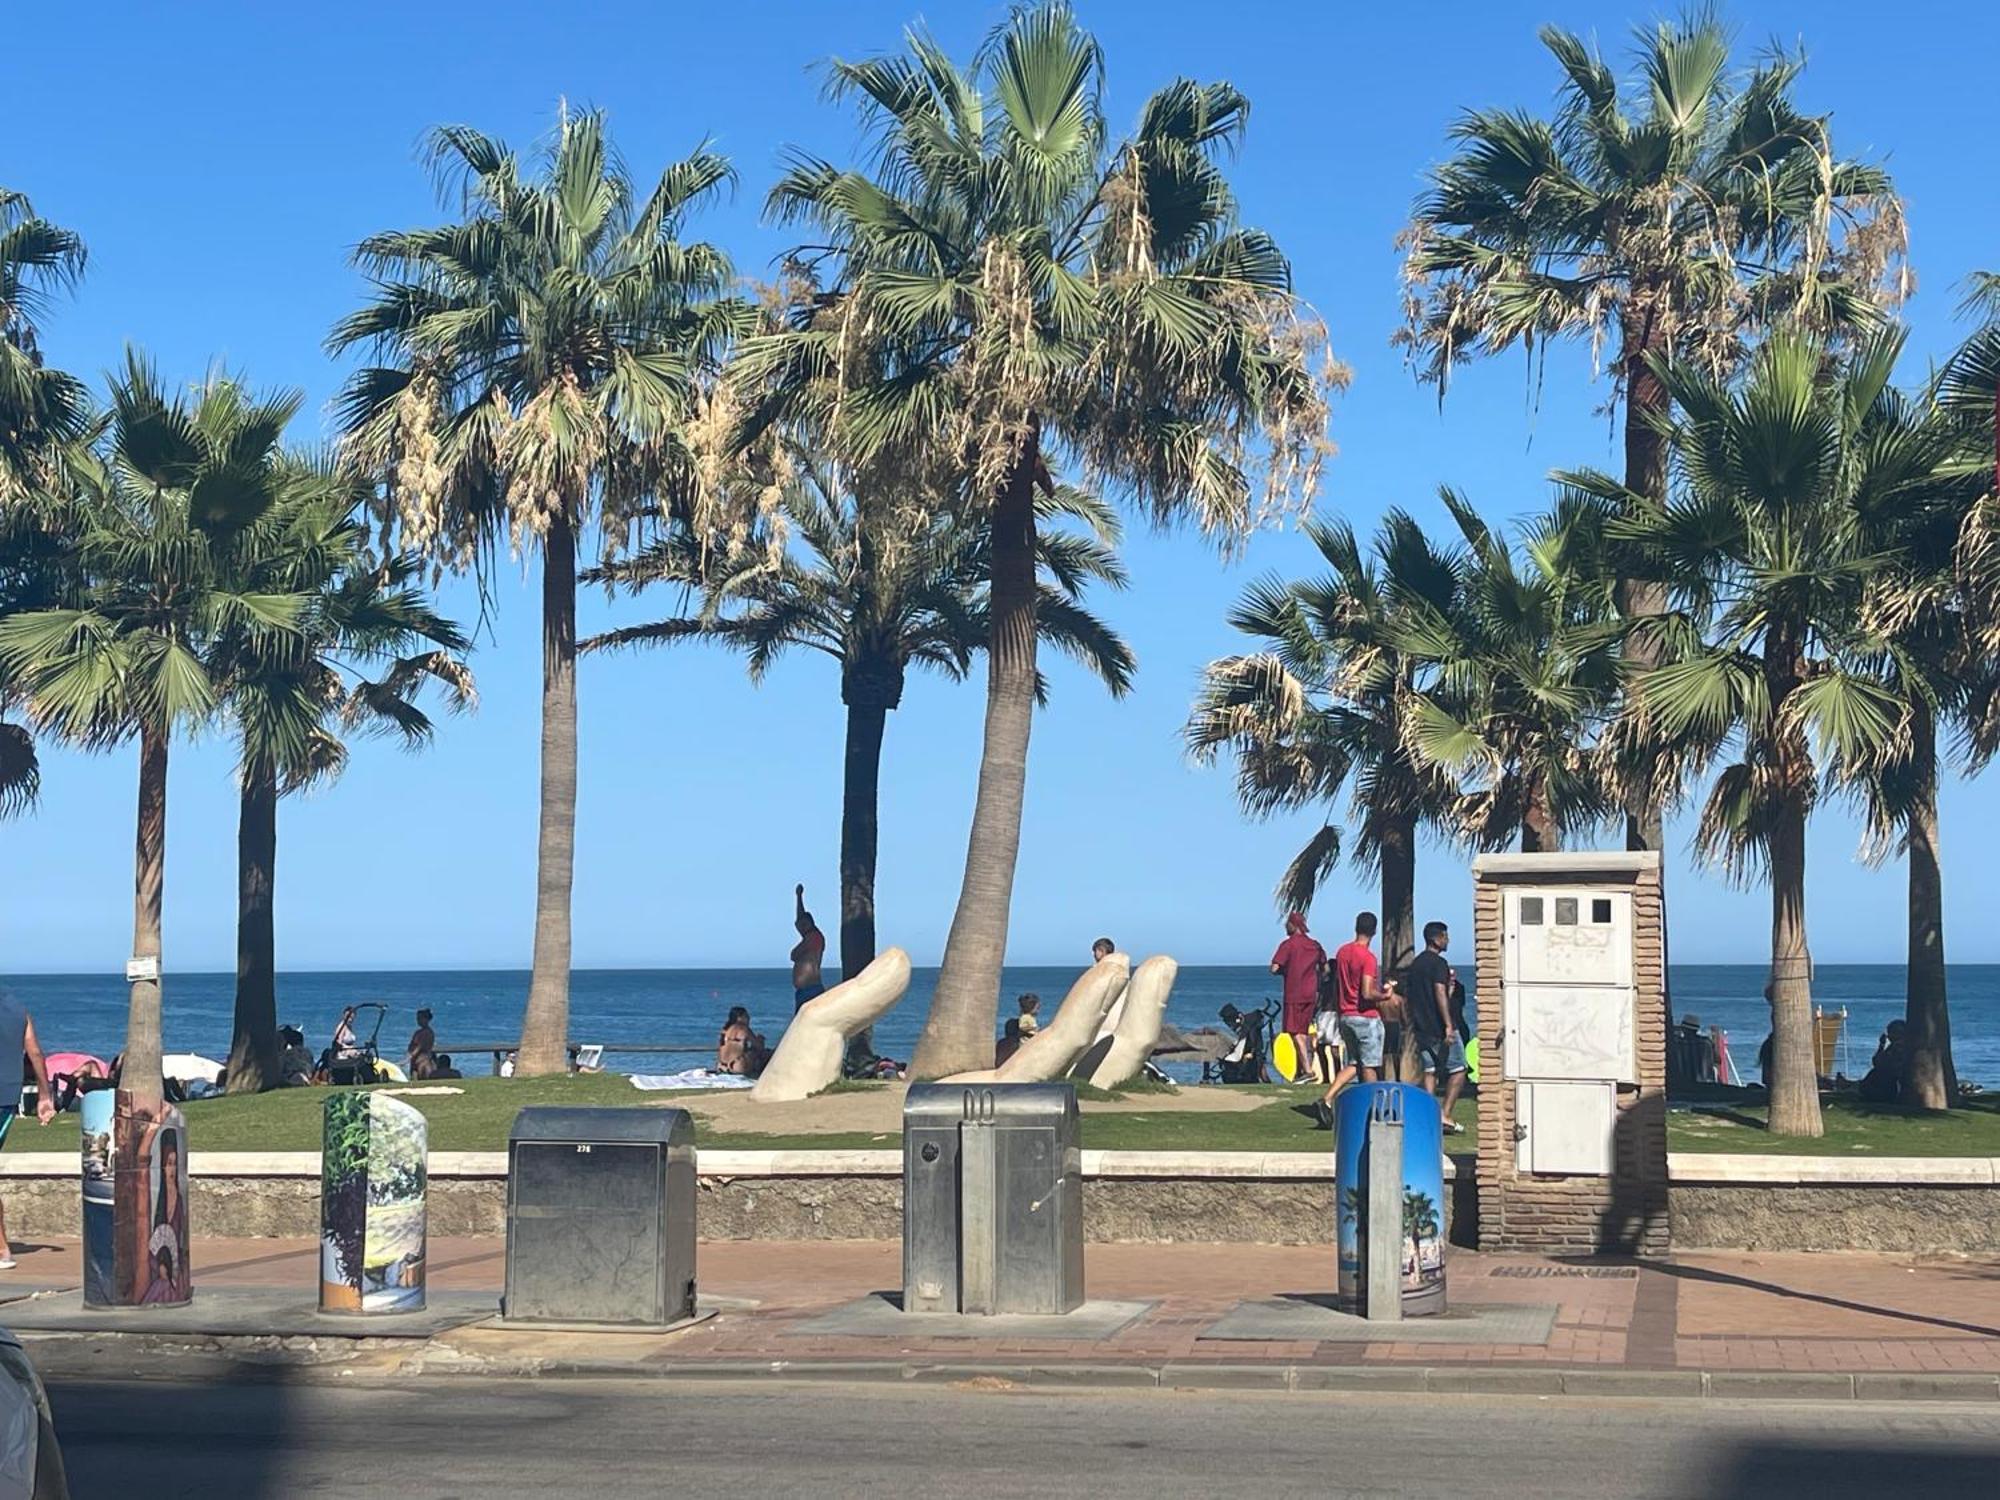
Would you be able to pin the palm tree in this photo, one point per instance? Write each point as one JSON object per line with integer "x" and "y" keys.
{"x": 878, "y": 599}
{"x": 1676, "y": 215}
{"x": 1518, "y": 676}
{"x": 1320, "y": 711}
{"x": 1042, "y": 295}
{"x": 42, "y": 413}
{"x": 542, "y": 370}
{"x": 1933, "y": 629}
{"x": 40, "y": 408}
{"x": 1767, "y": 550}
{"x": 290, "y": 694}
{"x": 180, "y": 486}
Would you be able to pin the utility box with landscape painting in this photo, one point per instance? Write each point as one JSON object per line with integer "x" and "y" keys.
{"x": 1572, "y": 1121}
{"x": 992, "y": 1199}
{"x": 135, "y": 1219}
{"x": 600, "y": 1217}
{"x": 373, "y": 1177}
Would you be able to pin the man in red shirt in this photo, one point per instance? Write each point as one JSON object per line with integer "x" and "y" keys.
{"x": 1300, "y": 959}
{"x": 1357, "y": 980}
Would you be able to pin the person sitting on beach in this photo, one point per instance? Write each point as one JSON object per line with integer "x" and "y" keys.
{"x": 1010, "y": 1040}
{"x": 423, "y": 1047}
{"x": 295, "y": 1064}
{"x": 345, "y": 1044}
{"x": 807, "y": 955}
{"x": 441, "y": 1067}
{"x": 1029, "y": 1022}
{"x": 1884, "y": 1081}
{"x": 740, "y": 1050}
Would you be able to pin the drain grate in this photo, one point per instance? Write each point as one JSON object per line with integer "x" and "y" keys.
{"x": 1536, "y": 1273}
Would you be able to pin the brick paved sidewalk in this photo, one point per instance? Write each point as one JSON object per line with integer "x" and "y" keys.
{"x": 1846, "y": 1314}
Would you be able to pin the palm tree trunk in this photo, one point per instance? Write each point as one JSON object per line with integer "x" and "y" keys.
{"x": 859, "y": 804}
{"x": 253, "y": 1054}
{"x": 958, "y": 1034}
{"x": 545, "y": 1030}
{"x": 140, "y": 1074}
{"x": 1646, "y": 404}
{"x": 1794, "y": 1069}
{"x": 1399, "y": 894}
{"x": 1399, "y": 928}
{"x": 860, "y": 794}
{"x": 1540, "y": 833}
{"x": 1932, "y": 1081}
{"x": 1646, "y": 401}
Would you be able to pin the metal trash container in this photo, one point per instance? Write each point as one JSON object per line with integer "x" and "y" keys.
{"x": 600, "y": 1217}
{"x": 1423, "y": 1198}
{"x": 992, "y": 1199}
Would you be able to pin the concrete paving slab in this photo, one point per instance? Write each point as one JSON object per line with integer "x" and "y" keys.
{"x": 247, "y": 1312}
{"x": 704, "y": 1309}
{"x": 1295, "y": 1319}
{"x": 881, "y": 1315}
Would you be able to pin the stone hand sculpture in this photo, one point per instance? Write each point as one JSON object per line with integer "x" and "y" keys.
{"x": 809, "y": 1053}
{"x": 1144, "y": 1007}
{"x": 1051, "y": 1052}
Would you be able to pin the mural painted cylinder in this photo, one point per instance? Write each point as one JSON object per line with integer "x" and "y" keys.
{"x": 373, "y": 1178}
{"x": 135, "y": 1216}
{"x": 1423, "y": 1192}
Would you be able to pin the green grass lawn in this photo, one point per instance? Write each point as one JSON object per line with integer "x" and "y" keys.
{"x": 479, "y": 1118}
{"x": 1852, "y": 1129}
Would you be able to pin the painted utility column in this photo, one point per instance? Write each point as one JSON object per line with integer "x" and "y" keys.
{"x": 135, "y": 1216}
{"x": 1573, "y": 1067}
{"x": 372, "y": 1218}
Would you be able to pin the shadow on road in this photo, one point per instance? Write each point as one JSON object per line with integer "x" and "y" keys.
{"x": 225, "y": 1436}
{"x": 1765, "y": 1468}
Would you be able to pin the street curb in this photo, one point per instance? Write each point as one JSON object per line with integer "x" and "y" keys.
{"x": 114, "y": 1357}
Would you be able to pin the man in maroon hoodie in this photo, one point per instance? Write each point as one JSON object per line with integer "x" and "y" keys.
{"x": 1301, "y": 961}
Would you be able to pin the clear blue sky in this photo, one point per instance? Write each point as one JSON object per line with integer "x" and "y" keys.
{"x": 221, "y": 160}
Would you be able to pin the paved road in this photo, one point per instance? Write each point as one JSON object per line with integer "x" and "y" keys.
{"x": 448, "y": 1438}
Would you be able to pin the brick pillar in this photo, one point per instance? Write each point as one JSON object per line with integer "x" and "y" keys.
{"x": 1625, "y": 1213}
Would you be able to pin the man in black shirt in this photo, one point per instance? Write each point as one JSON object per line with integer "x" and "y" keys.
{"x": 1429, "y": 1005}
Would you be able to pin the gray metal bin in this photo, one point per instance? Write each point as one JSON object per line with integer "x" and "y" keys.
{"x": 992, "y": 1199}
{"x": 600, "y": 1216}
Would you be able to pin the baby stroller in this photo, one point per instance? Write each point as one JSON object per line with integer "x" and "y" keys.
{"x": 1245, "y": 1062}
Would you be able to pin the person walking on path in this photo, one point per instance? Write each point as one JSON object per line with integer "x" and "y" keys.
{"x": 807, "y": 954}
{"x": 1440, "y": 1049}
{"x": 1300, "y": 960}
{"x": 17, "y": 1039}
{"x": 1358, "y": 985}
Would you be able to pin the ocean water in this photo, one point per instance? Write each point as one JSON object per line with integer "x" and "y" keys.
{"x": 86, "y": 1012}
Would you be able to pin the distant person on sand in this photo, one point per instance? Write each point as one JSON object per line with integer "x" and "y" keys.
{"x": 739, "y": 1049}
{"x": 1030, "y": 1021}
{"x": 1358, "y": 982}
{"x": 807, "y": 955}
{"x": 1299, "y": 960}
{"x": 17, "y": 1040}
{"x": 423, "y": 1047}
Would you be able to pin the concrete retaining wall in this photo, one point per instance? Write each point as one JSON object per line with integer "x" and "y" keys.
{"x": 1921, "y": 1205}
{"x": 1716, "y": 1202}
